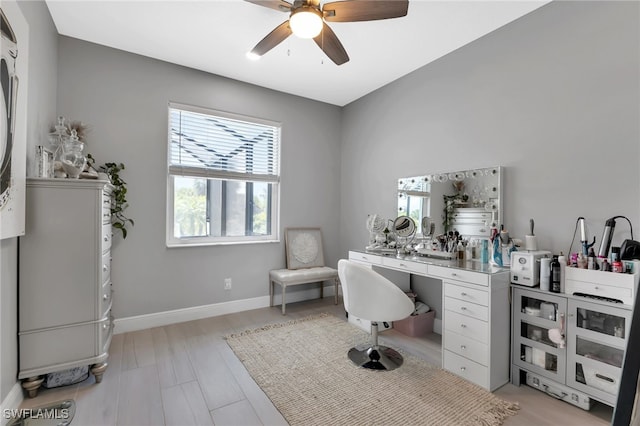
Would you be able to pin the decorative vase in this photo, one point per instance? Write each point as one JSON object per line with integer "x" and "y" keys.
{"x": 57, "y": 139}
{"x": 72, "y": 158}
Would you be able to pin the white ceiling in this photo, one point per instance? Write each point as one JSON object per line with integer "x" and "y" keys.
{"x": 214, "y": 36}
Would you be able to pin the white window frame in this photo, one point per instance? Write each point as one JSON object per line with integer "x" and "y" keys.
{"x": 171, "y": 240}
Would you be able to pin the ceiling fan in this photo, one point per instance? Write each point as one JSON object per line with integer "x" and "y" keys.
{"x": 307, "y": 20}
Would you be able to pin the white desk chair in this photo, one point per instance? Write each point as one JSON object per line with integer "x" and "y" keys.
{"x": 369, "y": 295}
{"x": 305, "y": 264}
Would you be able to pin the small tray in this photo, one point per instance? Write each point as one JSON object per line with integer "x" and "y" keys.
{"x": 436, "y": 253}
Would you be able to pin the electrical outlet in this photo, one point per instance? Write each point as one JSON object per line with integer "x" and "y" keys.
{"x": 227, "y": 283}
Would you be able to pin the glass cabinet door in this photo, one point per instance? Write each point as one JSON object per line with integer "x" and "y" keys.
{"x": 535, "y": 313}
{"x": 596, "y": 340}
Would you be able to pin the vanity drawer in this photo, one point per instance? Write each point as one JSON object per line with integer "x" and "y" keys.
{"x": 466, "y": 368}
{"x": 620, "y": 293}
{"x": 466, "y": 308}
{"x": 365, "y": 257}
{"x": 480, "y": 297}
{"x": 404, "y": 265}
{"x": 468, "y": 348}
{"x": 466, "y": 326}
{"x": 459, "y": 274}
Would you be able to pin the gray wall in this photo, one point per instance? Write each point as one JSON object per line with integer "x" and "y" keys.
{"x": 123, "y": 98}
{"x": 554, "y": 97}
{"x": 43, "y": 45}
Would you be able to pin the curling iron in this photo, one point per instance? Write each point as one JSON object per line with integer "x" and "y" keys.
{"x": 583, "y": 237}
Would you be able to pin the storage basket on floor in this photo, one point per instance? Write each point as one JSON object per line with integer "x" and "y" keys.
{"x": 416, "y": 325}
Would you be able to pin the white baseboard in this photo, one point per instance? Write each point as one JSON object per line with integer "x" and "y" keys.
{"x": 159, "y": 319}
{"x": 11, "y": 402}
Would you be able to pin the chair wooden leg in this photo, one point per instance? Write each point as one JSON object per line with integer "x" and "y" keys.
{"x": 321, "y": 289}
{"x": 271, "y": 293}
{"x": 284, "y": 288}
{"x": 335, "y": 287}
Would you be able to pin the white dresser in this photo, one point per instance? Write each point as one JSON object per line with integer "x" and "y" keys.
{"x": 65, "y": 291}
{"x": 475, "y": 329}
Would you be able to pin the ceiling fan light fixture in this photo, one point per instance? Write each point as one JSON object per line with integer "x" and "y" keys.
{"x": 253, "y": 56}
{"x": 306, "y": 22}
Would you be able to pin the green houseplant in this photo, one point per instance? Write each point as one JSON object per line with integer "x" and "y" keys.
{"x": 119, "y": 204}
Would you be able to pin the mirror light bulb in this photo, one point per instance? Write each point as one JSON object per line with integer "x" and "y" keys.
{"x": 306, "y": 22}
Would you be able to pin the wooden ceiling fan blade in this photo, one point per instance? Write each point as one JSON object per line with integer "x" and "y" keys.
{"x": 331, "y": 46}
{"x": 272, "y": 39}
{"x": 364, "y": 10}
{"x": 279, "y": 5}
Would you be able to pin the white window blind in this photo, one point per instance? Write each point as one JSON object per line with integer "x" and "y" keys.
{"x": 212, "y": 144}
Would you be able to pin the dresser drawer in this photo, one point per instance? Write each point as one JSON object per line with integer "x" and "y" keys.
{"x": 475, "y": 229}
{"x": 468, "y": 348}
{"x": 105, "y": 331}
{"x": 105, "y": 267}
{"x": 459, "y": 274}
{"x": 480, "y": 297}
{"x": 364, "y": 257}
{"x": 403, "y": 265}
{"x": 466, "y": 308}
{"x": 472, "y": 217}
{"x": 106, "y": 294}
{"x": 106, "y": 237}
{"x": 106, "y": 208}
{"x": 466, "y": 368}
{"x": 466, "y": 326}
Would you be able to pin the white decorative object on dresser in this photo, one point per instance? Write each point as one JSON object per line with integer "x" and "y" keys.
{"x": 65, "y": 288}
{"x": 475, "y": 331}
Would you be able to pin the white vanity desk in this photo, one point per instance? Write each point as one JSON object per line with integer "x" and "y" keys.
{"x": 476, "y": 313}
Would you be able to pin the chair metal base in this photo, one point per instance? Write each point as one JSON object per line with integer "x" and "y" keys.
{"x": 376, "y": 358}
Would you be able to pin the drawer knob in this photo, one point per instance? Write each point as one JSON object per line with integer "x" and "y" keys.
{"x": 463, "y": 294}
{"x": 463, "y": 325}
{"x": 402, "y": 265}
{"x": 464, "y": 308}
{"x": 105, "y": 268}
{"x": 105, "y": 326}
{"x": 463, "y": 368}
{"x": 105, "y": 296}
{"x": 463, "y": 347}
{"x": 106, "y": 238}
{"x": 453, "y": 274}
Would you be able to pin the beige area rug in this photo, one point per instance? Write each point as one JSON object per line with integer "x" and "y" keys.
{"x": 303, "y": 368}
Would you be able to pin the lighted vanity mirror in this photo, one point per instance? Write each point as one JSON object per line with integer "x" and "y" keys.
{"x": 467, "y": 201}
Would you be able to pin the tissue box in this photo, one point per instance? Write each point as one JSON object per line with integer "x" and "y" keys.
{"x": 416, "y": 325}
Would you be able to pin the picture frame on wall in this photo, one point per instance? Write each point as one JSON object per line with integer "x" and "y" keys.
{"x": 44, "y": 162}
{"x": 14, "y": 58}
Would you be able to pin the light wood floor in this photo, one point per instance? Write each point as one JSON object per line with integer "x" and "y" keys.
{"x": 185, "y": 374}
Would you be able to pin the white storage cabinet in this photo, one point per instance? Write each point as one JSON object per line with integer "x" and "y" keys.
{"x": 65, "y": 287}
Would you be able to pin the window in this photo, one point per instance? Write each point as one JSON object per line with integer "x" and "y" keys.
{"x": 224, "y": 175}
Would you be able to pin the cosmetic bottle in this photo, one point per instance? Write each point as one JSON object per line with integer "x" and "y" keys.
{"x": 591, "y": 259}
{"x": 484, "y": 252}
{"x": 563, "y": 266}
{"x": 555, "y": 275}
